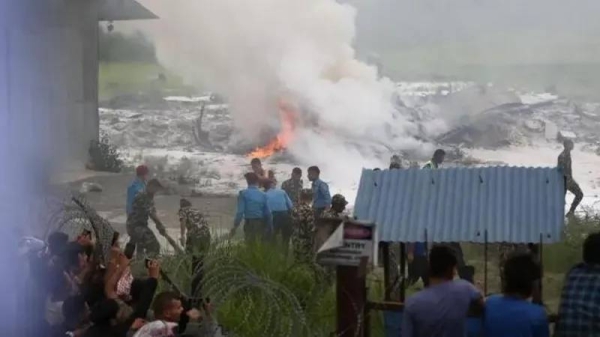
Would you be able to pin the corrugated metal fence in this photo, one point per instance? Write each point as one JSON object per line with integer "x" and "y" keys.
{"x": 513, "y": 204}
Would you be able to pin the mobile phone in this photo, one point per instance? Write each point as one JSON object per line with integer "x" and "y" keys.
{"x": 129, "y": 250}
{"x": 147, "y": 262}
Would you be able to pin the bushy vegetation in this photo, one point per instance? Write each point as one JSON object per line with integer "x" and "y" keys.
{"x": 104, "y": 156}
{"x": 119, "y": 47}
{"x": 258, "y": 290}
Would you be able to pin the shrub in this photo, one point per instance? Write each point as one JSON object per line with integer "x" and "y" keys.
{"x": 104, "y": 156}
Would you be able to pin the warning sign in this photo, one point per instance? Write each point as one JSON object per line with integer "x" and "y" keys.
{"x": 350, "y": 242}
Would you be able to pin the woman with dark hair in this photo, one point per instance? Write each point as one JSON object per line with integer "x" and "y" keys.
{"x": 512, "y": 314}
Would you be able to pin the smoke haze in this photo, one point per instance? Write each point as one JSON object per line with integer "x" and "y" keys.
{"x": 256, "y": 52}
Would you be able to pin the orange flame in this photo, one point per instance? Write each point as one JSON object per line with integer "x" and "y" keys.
{"x": 281, "y": 141}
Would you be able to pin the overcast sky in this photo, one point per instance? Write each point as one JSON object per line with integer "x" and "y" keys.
{"x": 388, "y": 23}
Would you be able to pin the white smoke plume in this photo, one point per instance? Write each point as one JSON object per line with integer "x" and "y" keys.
{"x": 256, "y": 52}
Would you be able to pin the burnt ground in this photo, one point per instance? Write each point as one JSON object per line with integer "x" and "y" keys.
{"x": 110, "y": 204}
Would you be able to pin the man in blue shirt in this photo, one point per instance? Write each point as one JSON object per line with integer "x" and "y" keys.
{"x": 253, "y": 208}
{"x": 321, "y": 195}
{"x": 281, "y": 206}
{"x": 512, "y": 314}
{"x": 442, "y": 308}
{"x": 138, "y": 185}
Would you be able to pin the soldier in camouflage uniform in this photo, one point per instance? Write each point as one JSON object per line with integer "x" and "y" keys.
{"x": 303, "y": 222}
{"x": 293, "y": 186}
{"x": 137, "y": 222}
{"x": 564, "y": 164}
{"x": 338, "y": 206}
{"x": 197, "y": 240}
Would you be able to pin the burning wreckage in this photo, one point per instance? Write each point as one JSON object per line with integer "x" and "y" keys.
{"x": 469, "y": 116}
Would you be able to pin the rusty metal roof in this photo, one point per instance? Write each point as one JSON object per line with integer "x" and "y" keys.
{"x": 513, "y": 204}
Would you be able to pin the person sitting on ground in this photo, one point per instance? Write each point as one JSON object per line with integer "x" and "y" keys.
{"x": 564, "y": 164}
{"x": 512, "y": 314}
{"x": 197, "y": 241}
{"x": 253, "y": 208}
{"x": 303, "y": 236}
{"x": 281, "y": 207}
{"x": 442, "y": 308}
{"x": 137, "y": 223}
{"x": 338, "y": 206}
{"x": 579, "y": 310}
{"x": 293, "y": 186}
{"x": 137, "y": 185}
{"x": 321, "y": 195}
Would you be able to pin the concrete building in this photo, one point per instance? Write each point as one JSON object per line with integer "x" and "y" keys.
{"x": 50, "y": 71}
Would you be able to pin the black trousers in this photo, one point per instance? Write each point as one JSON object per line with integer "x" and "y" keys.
{"x": 255, "y": 230}
{"x": 418, "y": 269}
{"x": 282, "y": 226}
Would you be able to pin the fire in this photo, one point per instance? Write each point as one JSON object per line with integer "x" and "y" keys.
{"x": 282, "y": 139}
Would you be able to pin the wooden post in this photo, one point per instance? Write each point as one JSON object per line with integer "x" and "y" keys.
{"x": 402, "y": 272}
{"x": 485, "y": 263}
{"x": 351, "y": 300}
{"x": 385, "y": 250}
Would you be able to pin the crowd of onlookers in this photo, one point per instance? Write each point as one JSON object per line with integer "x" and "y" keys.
{"x": 443, "y": 307}
{"x": 72, "y": 290}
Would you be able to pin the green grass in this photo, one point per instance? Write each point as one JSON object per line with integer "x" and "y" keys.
{"x": 127, "y": 78}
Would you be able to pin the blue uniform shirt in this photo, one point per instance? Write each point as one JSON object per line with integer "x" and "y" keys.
{"x": 321, "y": 196}
{"x": 278, "y": 200}
{"x": 137, "y": 186}
{"x": 252, "y": 204}
{"x": 512, "y": 317}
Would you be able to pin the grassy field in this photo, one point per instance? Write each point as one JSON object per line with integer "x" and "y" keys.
{"x": 127, "y": 78}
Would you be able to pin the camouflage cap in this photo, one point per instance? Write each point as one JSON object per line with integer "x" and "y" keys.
{"x": 339, "y": 199}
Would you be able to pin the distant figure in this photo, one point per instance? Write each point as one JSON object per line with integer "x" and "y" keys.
{"x": 271, "y": 177}
{"x": 338, "y": 206}
{"x": 303, "y": 219}
{"x": 442, "y": 308}
{"x": 395, "y": 162}
{"x": 294, "y": 185}
{"x": 252, "y": 207}
{"x": 512, "y": 314}
{"x": 436, "y": 160}
{"x": 137, "y": 223}
{"x": 260, "y": 172}
{"x": 281, "y": 208}
{"x": 579, "y": 310}
{"x": 195, "y": 237}
{"x": 321, "y": 196}
{"x": 564, "y": 164}
{"x": 137, "y": 185}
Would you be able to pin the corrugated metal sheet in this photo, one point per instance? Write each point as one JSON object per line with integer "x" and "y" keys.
{"x": 514, "y": 204}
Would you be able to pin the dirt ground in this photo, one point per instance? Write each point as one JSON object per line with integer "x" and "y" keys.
{"x": 110, "y": 204}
